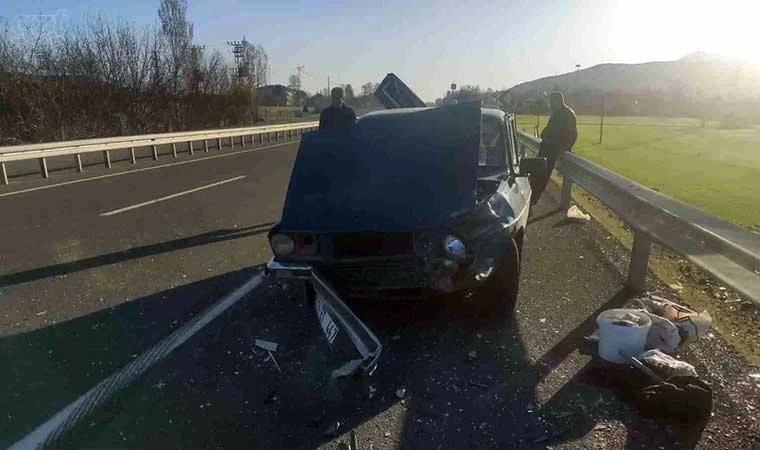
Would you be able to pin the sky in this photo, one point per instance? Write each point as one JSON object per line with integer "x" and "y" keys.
{"x": 431, "y": 44}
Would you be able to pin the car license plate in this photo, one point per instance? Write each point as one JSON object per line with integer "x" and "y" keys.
{"x": 328, "y": 324}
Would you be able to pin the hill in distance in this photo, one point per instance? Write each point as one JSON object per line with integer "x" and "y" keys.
{"x": 698, "y": 74}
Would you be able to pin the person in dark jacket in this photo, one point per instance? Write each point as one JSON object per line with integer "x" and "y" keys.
{"x": 559, "y": 136}
{"x": 338, "y": 115}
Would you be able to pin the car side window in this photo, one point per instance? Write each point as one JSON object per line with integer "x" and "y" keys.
{"x": 512, "y": 144}
{"x": 493, "y": 144}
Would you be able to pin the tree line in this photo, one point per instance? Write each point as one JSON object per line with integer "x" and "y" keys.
{"x": 111, "y": 77}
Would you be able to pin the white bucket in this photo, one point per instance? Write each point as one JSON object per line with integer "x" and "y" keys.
{"x": 618, "y": 341}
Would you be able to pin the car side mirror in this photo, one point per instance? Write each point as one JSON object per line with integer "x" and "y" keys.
{"x": 535, "y": 167}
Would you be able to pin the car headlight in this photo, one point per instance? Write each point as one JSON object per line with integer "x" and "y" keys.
{"x": 454, "y": 247}
{"x": 282, "y": 244}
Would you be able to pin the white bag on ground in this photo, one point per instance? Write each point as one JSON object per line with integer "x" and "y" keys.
{"x": 663, "y": 334}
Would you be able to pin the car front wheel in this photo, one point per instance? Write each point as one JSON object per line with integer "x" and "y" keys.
{"x": 498, "y": 295}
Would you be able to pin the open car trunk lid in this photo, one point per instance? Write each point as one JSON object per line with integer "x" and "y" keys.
{"x": 393, "y": 171}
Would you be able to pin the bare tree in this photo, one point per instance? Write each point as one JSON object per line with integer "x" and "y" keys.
{"x": 178, "y": 34}
{"x": 254, "y": 64}
{"x": 368, "y": 89}
{"x": 349, "y": 91}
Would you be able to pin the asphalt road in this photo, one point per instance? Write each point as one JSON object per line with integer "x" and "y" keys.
{"x": 83, "y": 294}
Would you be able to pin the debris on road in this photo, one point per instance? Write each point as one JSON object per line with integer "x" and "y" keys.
{"x": 266, "y": 345}
{"x": 665, "y": 366}
{"x": 333, "y": 429}
{"x": 346, "y": 369}
{"x": 682, "y": 398}
{"x": 472, "y": 355}
{"x": 401, "y": 393}
{"x": 395, "y": 337}
{"x": 575, "y": 214}
{"x": 480, "y": 385}
{"x": 372, "y": 391}
{"x": 269, "y": 347}
{"x": 691, "y": 325}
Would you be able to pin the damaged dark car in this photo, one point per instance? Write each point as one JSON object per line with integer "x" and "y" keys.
{"x": 409, "y": 203}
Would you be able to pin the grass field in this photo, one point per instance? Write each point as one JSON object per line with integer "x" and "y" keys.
{"x": 717, "y": 170}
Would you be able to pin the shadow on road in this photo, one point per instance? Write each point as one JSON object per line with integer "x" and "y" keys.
{"x": 45, "y": 369}
{"x": 133, "y": 253}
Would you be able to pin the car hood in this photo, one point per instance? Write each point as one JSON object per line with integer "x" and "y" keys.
{"x": 398, "y": 170}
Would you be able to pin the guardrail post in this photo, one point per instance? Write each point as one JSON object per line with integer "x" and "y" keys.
{"x": 232, "y": 142}
{"x": 43, "y": 168}
{"x": 242, "y": 141}
{"x": 4, "y": 172}
{"x": 567, "y": 190}
{"x": 107, "y": 158}
{"x": 218, "y": 143}
{"x": 205, "y": 145}
{"x": 637, "y": 272}
{"x": 80, "y": 169}
{"x": 155, "y": 153}
{"x": 174, "y": 149}
{"x": 190, "y": 145}
{"x": 132, "y": 154}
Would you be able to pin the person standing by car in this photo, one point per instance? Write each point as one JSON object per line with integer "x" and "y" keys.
{"x": 559, "y": 136}
{"x": 337, "y": 115}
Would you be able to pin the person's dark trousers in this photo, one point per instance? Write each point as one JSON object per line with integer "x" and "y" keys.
{"x": 538, "y": 184}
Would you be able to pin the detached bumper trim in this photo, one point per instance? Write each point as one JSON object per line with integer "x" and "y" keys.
{"x": 288, "y": 270}
{"x": 364, "y": 340}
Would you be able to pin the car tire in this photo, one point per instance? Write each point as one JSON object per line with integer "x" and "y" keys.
{"x": 498, "y": 296}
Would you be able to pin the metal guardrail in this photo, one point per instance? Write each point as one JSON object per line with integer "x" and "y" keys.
{"x": 105, "y": 145}
{"x": 729, "y": 252}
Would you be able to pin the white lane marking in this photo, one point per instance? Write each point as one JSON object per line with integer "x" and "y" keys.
{"x": 169, "y": 197}
{"x": 144, "y": 169}
{"x": 75, "y": 411}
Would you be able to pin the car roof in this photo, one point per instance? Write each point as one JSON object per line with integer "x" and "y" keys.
{"x": 491, "y": 112}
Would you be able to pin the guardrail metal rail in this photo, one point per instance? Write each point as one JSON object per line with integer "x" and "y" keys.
{"x": 727, "y": 251}
{"x": 76, "y": 148}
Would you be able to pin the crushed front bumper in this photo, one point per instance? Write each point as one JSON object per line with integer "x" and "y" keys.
{"x": 363, "y": 339}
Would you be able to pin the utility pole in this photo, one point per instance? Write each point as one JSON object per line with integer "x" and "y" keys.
{"x": 601, "y": 121}
{"x": 299, "y": 68}
{"x": 328, "y": 86}
{"x": 237, "y": 50}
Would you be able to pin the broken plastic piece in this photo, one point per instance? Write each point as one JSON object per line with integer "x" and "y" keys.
{"x": 266, "y": 345}
{"x": 346, "y": 369}
{"x": 574, "y": 213}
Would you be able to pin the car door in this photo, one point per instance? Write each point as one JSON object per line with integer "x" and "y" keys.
{"x": 514, "y": 190}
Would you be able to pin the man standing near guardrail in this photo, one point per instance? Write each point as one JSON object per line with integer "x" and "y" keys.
{"x": 337, "y": 115}
{"x": 559, "y": 136}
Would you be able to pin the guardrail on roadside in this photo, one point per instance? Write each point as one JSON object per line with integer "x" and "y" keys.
{"x": 105, "y": 145}
{"x": 729, "y": 252}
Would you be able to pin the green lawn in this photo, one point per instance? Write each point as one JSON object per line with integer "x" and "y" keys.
{"x": 714, "y": 169}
